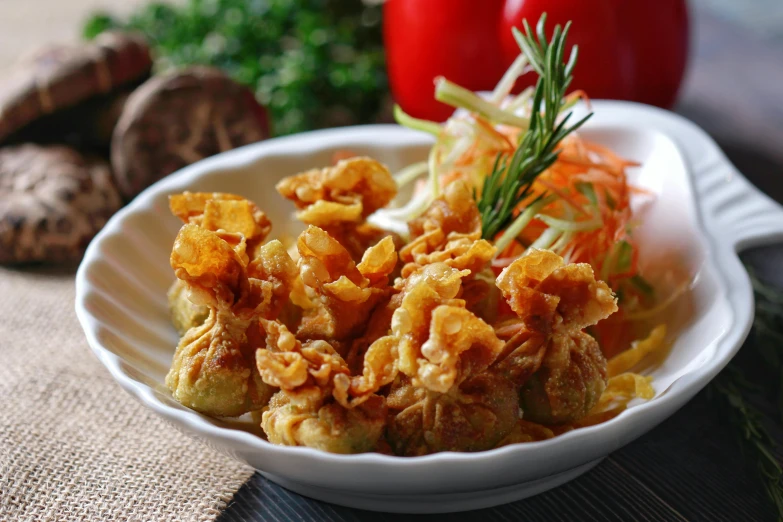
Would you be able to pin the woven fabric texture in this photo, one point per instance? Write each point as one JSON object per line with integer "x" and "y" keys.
{"x": 73, "y": 445}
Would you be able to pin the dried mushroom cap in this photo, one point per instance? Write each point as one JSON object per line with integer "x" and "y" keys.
{"x": 176, "y": 119}
{"x": 53, "y": 201}
{"x": 62, "y": 76}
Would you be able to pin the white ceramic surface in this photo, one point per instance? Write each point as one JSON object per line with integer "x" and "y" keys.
{"x": 704, "y": 211}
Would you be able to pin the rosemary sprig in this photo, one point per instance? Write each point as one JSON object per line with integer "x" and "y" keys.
{"x": 511, "y": 180}
{"x": 731, "y": 389}
{"x": 768, "y": 329}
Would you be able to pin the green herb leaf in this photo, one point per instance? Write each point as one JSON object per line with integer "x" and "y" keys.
{"x": 510, "y": 182}
{"x": 642, "y": 285}
{"x": 623, "y": 256}
{"x": 731, "y": 388}
{"x": 313, "y": 64}
{"x": 588, "y": 190}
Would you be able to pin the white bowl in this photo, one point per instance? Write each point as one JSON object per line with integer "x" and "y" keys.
{"x": 704, "y": 211}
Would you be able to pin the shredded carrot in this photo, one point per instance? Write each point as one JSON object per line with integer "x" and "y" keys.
{"x": 579, "y": 94}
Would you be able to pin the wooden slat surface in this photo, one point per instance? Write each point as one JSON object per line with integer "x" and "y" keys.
{"x": 690, "y": 467}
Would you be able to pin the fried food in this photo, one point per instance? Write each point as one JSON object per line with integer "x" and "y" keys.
{"x": 338, "y": 199}
{"x": 448, "y": 232}
{"x": 329, "y": 352}
{"x": 305, "y": 412}
{"x": 218, "y": 211}
{"x": 474, "y": 416}
{"x": 346, "y": 292}
{"x": 347, "y": 192}
{"x": 213, "y": 370}
{"x": 212, "y": 211}
{"x": 560, "y": 367}
{"x": 184, "y": 314}
{"x": 444, "y": 400}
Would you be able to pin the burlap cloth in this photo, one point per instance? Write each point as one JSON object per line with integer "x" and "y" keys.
{"x": 73, "y": 444}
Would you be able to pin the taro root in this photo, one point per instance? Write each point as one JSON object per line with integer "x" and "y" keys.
{"x": 178, "y": 118}
{"x": 63, "y": 76}
{"x": 53, "y": 200}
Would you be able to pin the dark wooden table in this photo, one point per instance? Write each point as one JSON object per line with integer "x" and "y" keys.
{"x": 690, "y": 467}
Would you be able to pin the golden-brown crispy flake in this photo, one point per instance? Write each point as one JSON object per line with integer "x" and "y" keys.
{"x": 347, "y": 192}
{"x": 188, "y": 205}
{"x": 214, "y": 369}
{"x": 347, "y": 297}
{"x": 378, "y": 262}
{"x": 305, "y": 372}
{"x": 237, "y": 216}
{"x": 448, "y": 232}
{"x": 304, "y": 412}
{"x": 338, "y": 199}
{"x": 331, "y": 427}
{"x": 379, "y": 325}
{"x": 474, "y": 416}
{"x": 454, "y": 212}
{"x": 184, "y": 314}
{"x": 203, "y": 259}
{"x": 379, "y": 368}
{"x": 275, "y": 274}
{"x": 518, "y": 283}
{"x": 357, "y": 238}
{"x": 459, "y": 344}
{"x": 460, "y": 252}
{"x": 221, "y": 211}
{"x": 561, "y": 367}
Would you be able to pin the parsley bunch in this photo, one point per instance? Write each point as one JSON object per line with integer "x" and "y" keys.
{"x": 312, "y": 63}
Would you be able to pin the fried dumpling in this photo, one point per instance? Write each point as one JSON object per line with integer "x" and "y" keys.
{"x": 213, "y": 370}
{"x": 448, "y": 232}
{"x": 184, "y": 314}
{"x": 560, "y": 367}
{"x": 438, "y": 401}
{"x": 338, "y": 199}
{"x": 213, "y": 211}
{"x": 347, "y": 192}
{"x": 306, "y": 411}
{"x": 346, "y": 292}
{"x": 474, "y": 416}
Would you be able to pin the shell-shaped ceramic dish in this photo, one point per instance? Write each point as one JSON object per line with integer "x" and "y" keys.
{"x": 703, "y": 212}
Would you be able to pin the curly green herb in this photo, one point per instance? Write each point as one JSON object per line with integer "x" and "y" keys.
{"x": 312, "y": 63}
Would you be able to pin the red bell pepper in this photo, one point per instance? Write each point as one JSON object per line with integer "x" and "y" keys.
{"x": 629, "y": 50}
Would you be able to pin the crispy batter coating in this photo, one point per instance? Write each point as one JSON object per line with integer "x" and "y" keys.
{"x": 338, "y": 199}
{"x": 308, "y": 410}
{"x": 326, "y": 353}
{"x": 358, "y": 238}
{"x": 347, "y": 192}
{"x": 569, "y": 383}
{"x": 474, "y": 416}
{"x": 445, "y": 400}
{"x": 448, "y": 232}
{"x": 560, "y": 367}
{"x": 347, "y": 293}
{"x": 213, "y": 370}
{"x": 454, "y": 212}
{"x": 434, "y": 285}
{"x": 184, "y": 314}
{"x": 329, "y": 428}
{"x": 221, "y": 211}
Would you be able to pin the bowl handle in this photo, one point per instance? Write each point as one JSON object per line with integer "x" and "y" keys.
{"x": 738, "y": 212}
